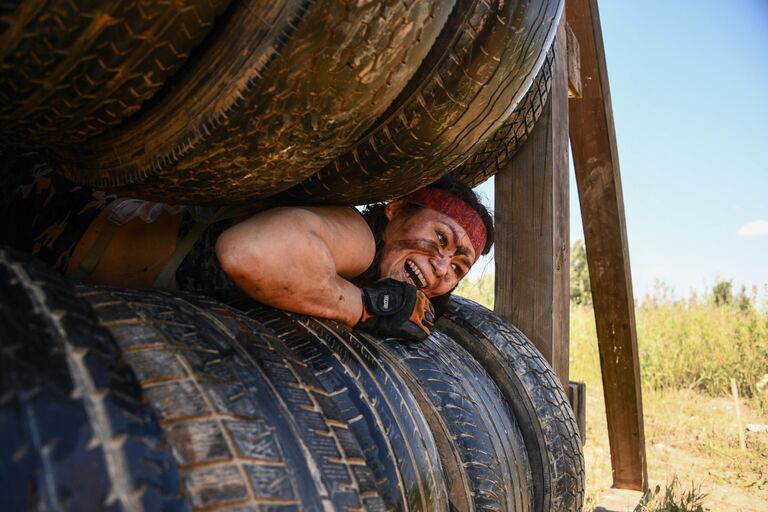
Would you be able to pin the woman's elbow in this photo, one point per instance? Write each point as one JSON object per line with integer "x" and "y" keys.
{"x": 239, "y": 260}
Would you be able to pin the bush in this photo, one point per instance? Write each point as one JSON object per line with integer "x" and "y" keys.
{"x": 674, "y": 499}
{"x": 687, "y": 344}
{"x": 697, "y": 343}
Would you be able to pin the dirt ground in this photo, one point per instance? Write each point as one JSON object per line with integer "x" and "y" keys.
{"x": 693, "y": 438}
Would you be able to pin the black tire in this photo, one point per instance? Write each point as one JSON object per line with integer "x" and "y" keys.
{"x": 474, "y": 77}
{"x": 280, "y": 89}
{"x": 499, "y": 149}
{"x": 481, "y": 448}
{"x": 250, "y": 426}
{"x": 535, "y": 396}
{"x": 70, "y": 70}
{"x": 373, "y": 400}
{"x": 75, "y": 433}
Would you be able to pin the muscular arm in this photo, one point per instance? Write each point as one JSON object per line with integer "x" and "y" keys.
{"x": 300, "y": 259}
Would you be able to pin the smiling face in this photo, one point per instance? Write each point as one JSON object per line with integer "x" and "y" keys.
{"x": 425, "y": 248}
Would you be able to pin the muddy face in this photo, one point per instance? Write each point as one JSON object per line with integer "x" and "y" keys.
{"x": 425, "y": 248}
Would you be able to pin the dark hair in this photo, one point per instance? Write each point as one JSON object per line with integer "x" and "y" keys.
{"x": 377, "y": 220}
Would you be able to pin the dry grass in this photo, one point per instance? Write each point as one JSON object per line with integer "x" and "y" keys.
{"x": 674, "y": 498}
{"x": 689, "y": 351}
{"x": 691, "y": 435}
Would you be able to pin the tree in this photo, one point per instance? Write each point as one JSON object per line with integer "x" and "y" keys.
{"x": 581, "y": 290}
{"x": 743, "y": 300}
{"x": 722, "y": 293}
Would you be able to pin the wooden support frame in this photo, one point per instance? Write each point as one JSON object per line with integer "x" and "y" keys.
{"x": 532, "y": 243}
{"x": 532, "y": 287}
{"x": 595, "y": 156}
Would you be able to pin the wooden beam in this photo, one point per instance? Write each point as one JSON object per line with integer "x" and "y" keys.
{"x": 577, "y": 397}
{"x": 532, "y": 239}
{"x": 593, "y": 141}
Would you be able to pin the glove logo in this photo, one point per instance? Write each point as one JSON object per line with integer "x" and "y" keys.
{"x": 385, "y": 303}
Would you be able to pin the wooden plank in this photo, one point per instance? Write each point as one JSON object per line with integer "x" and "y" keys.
{"x": 593, "y": 141}
{"x": 574, "y": 63}
{"x": 532, "y": 238}
{"x": 577, "y": 397}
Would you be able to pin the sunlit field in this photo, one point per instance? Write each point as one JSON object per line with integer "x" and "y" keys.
{"x": 689, "y": 351}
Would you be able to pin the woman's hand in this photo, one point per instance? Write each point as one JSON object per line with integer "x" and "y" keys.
{"x": 393, "y": 308}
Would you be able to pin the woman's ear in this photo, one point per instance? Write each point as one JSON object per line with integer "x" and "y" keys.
{"x": 393, "y": 208}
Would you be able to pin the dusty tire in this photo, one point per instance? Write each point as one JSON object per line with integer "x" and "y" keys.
{"x": 70, "y": 70}
{"x": 535, "y": 396}
{"x": 481, "y": 448}
{"x": 280, "y": 89}
{"x": 250, "y": 426}
{"x": 374, "y": 401}
{"x": 476, "y": 74}
{"x": 494, "y": 155}
{"x": 75, "y": 433}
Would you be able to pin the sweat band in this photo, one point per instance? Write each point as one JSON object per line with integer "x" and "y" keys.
{"x": 450, "y": 205}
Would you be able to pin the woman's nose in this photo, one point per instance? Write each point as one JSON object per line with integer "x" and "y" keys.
{"x": 440, "y": 264}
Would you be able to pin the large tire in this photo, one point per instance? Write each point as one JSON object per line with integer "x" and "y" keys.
{"x": 70, "y": 70}
{"x": 535, "y": 396}
{"x": 280, "y": 89}
{"x": 374, "y": 401}
{"x": 249, "y": 424}
{"x": 75, "y": 433}
{"x": 481, "y": 448}
{"x": 496, "y": 153}
{"x": 474, "y": 77}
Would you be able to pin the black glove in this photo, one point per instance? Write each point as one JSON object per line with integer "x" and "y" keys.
{"x": 396, "y": 309}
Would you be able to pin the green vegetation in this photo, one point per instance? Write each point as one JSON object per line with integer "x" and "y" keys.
{"x": 581, "y": 290}
{"x": 674, "y": 499}
{"x": 696, "y": 343}
{"x": 689, "y": 349}
{"x": 480, "y": 291}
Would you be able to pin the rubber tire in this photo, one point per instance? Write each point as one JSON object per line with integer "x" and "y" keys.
{"x": 70, "y": 70}
{"x": 535, "y": 396}
{"x": 374, "y": 401}
{"x": 248, "y": 422}
{"x": 507, "y": 140}
{"x": 75, "y": 433}
{"x": 472, "y": 80}
{"x": 481, "y": 448}
{"x": 259, "y": 110}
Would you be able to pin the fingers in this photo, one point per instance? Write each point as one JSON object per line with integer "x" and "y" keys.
{"x": 423, "y": 313}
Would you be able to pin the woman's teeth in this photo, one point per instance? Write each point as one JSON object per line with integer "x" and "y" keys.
{"x": 416, "y": 276}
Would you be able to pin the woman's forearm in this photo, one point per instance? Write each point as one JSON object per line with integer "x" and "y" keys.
{"x": 291, "y": 288}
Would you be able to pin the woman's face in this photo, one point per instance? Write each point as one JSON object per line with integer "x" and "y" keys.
{"x": 425, "y": 248}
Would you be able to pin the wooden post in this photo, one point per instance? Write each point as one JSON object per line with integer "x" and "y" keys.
{"x": 532, "y": 241}
{"x": 593, "y": 141}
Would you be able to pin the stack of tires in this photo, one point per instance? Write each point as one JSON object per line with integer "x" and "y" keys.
{"x": 114, "y": 399}
{"x": 241, "y": 101}
{"x": 149, "y": 400}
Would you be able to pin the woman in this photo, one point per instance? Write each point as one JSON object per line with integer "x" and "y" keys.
{"x": 375, "y": 271}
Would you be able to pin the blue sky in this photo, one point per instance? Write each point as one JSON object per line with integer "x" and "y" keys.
{"x": 689, "y": 84}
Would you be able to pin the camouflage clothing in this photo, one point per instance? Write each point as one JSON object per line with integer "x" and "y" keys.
{"x": 44, "y": 213}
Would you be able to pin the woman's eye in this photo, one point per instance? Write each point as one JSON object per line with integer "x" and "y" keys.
{"x": 442, "y": 239}
{"x": 456, "y": 269}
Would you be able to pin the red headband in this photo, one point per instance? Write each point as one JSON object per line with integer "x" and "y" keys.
{"x": 450, "y": 205}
